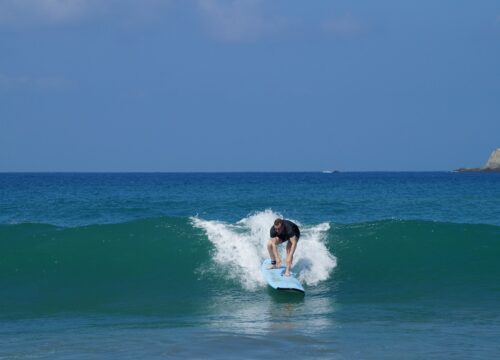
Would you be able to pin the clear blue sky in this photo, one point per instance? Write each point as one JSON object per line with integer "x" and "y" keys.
{"x": 248, "y": 85}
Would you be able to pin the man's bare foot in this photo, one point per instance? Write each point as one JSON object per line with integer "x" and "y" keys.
{"x": 287, "y": 273}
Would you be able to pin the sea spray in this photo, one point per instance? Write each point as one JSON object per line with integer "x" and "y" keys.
{"x": 235, "y": 252}
{"x": 314, "y": 262}
{"x": 240, "y": 248}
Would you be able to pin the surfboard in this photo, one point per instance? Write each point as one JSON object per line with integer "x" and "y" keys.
{"x": 277, "y": 280}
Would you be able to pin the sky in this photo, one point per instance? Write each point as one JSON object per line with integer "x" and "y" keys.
{"x": 248, "y": 85}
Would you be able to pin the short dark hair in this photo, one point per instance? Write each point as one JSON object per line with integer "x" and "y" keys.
{"x": 278, "y": 222}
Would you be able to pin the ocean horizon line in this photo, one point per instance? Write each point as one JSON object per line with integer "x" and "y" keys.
{"x": 326, "y": 172}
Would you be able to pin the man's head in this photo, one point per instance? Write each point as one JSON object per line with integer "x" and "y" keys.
{"x": 278, "y": 224}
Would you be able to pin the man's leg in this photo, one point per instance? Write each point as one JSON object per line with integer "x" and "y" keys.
{"x": 272, "y": 248}
{"x": 290, "y": 250}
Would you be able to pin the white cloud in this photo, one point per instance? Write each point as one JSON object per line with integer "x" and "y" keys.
{"x": 225, "y": 20}
{"x": 30, "y": 12}
{"x": 239, "y": 20}
{"x": 19, "y": 13}
{"x": 344, "y": 25}
{"x": 9, "y": 83}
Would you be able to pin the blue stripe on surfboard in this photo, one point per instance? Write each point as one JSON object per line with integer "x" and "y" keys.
{"x": 277, "y": 280}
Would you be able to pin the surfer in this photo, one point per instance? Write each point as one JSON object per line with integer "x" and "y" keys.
{"x": 281, "y": 231}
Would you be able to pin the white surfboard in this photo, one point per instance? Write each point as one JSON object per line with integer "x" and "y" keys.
{"x": 277, "y": 280}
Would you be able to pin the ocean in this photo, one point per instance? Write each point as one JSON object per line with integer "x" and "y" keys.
{"x": 166, "y": 266}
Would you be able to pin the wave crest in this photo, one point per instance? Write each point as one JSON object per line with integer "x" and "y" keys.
{"x": 240, "y": 249}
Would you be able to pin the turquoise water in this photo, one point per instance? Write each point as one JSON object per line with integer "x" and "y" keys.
{"x": 395, "y": 265}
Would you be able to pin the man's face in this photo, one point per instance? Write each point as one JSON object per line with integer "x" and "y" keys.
{"x": 278, "y": 228}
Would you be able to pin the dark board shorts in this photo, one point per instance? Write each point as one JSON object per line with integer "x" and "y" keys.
{"x": 296, "y": 233}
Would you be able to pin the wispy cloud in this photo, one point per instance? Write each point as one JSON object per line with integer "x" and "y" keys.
{"x": 9, "y": 83}
{"x": 343, "y": 25}
{"x": 30, "y": 12}
{"x": 239, "y": 20}
{"x": 19, "y": 13}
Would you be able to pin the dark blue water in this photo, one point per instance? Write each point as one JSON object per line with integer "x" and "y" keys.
{"x": 79, "y": 199}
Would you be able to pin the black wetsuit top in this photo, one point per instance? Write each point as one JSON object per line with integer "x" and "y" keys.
{"x": 288, "y": 230}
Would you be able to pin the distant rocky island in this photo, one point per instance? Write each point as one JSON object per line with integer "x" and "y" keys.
{"x": 493, "y": 164}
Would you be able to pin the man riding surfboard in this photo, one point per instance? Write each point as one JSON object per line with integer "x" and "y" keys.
{"x": 283, "y": 231}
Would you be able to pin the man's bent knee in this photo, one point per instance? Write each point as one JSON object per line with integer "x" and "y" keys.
{"x": 271, "y": 242}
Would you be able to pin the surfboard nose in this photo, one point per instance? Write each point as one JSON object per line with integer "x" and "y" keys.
{"x": 277, "y": 280}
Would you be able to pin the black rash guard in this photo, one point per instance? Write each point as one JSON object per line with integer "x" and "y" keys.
{"x": 288, "y": 230}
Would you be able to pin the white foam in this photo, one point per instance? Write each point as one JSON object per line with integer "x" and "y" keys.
{"x": 242, "y": 247}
